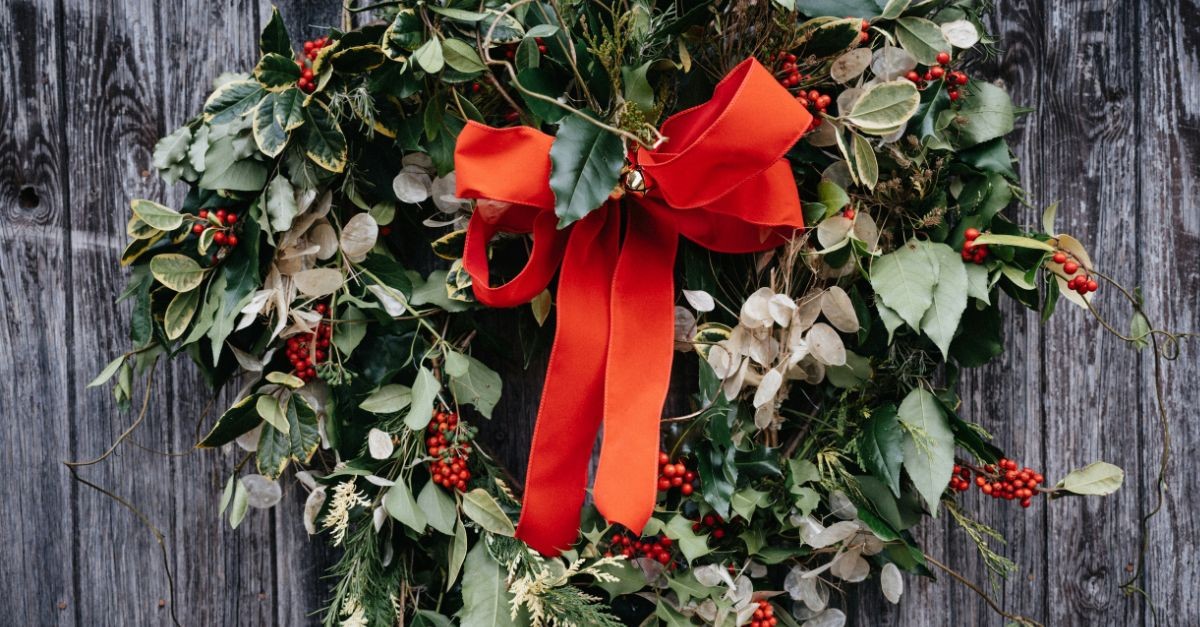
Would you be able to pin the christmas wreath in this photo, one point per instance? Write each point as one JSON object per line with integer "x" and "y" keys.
{"x": 800, "y": 201}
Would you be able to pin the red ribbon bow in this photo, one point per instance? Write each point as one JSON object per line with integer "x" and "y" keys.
{"x": 719, "y": 180}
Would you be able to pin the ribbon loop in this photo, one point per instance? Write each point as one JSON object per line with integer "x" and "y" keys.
{"x": 721, "y": 181}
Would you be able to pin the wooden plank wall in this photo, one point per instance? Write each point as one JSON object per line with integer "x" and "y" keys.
{"x": 86, "y": 88}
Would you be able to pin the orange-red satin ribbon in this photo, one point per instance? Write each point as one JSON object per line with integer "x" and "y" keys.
{"x": 719, "y": 180}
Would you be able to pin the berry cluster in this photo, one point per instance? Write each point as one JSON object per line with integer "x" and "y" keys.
{"x": 657, "y": 548}
{"x": 712, "y": 524}
{"x": 449, "y": 441}
{"x": 1079, "y": 282}
{"x": 970, "y": 251}
{"x": 510, "y": 50}
{"x": 222, "y": 221}
{"x": 954, "y": 79}
{"x": 866, "y": 32}
{"x": 789, "y": 75}
{"x": 764, "y": 616}
{"x": 816, "y": 102}
{"x": 305, "y": 351}
{"x": 1004, "y": 480}
{"x": 307, "y": 82}
{"x": 676, "y": 475}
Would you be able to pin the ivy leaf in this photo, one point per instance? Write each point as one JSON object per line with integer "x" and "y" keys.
{"x": 232, "y": 100}
{"x": 461, "y": 56}
{"x": 172, "y": 148}
{"x": 274, "y": 37}
{"x": 880, "y": 448}
{"x": 1095, "y": 479}
{"x": 474, "y": 384}
{"x": 429, "y": 56}
{"x": 399, "y": 504}
{"x": 236, "y": 420}
{"x": 276, "y": 71}
{"x": 177, "y": 272}
{"x": 277, "y": 449}
{"x": 885, "y": 106}
{"x": 388, "y": 399}
{"x": 486, "y": 600}
{"x": 440, "y": 511}
{"x": 585, "y": 163}
{"x": 424, "y": 392}
{"x": 179, "y": 313}
{"x": 280, "y": 203}
{"x": 986, "y": 113}
{"x": 949, "y": 296}
{"x": 480, "y": 507}
{"x": 922, "y": 38}
{"x": 156, "y": 215}
{"x": 928, "y": 445}
{"x": 458, "y": 553}
{"x": 904, "y": 280}
{"x": 324, "y": 142}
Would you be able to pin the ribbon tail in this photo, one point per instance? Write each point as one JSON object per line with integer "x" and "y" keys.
{"x": 573, "y": 395}
{"x": 638, "y": 373}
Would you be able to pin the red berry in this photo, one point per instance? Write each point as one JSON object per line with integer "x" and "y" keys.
{"x": 219, "y": 239}
{"x": 953, "y": 94}
{"x": 962, "y": 78}
{"x": 664, "y": 485}
{"x": 1059, "y": 257}
{"x": 943, "y": 58}
{"x": 197, "y": 228}
{"x": 669, "y": 470}
{"x": 231, "y": 218}
{"x": 971, "y": 234}
{"x": 1092, "y": 285}
{"x": 686, "y": 489}
{"x": 937, "y": 72}
{"x": 1070, "y": 267}
{"x": 231, "y": 240}
{"x": 913, "y": 76}
{"x": 203, "y": 214}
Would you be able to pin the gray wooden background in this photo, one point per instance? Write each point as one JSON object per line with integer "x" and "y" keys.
{"x": 87, "y": 86}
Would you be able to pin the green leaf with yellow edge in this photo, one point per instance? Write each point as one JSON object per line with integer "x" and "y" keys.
{"x": 1015, "y": 241}
{"x": 155, "y": 215}
{"x": 885, "y": 106}
{"x": 274, "y": 37}
{"x": 450, "y": 246}
{"x": 138, "y": 247}
{"x": 865, "y": 162}
{"x": 277, "y": 449}
{"x": 270, "y": 136}
{"x": 236, "y": 420}
{"x": 480, "y": 507}
{"x": 180, "y": 312}
{"x": 232, "y": 100}
{"x": 276, "y": 71}
{"x": 269, "y": 408}
{"x": 285, "y": 379}
{"x": 177, "y": 272}
{"x": 324, "y": 142}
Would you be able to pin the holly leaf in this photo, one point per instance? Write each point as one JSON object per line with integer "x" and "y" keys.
{"x": 585, "y": 163}
{"x": 155, "y": 215}
{"x": 880, "y": 447}
{"x": 180, "y": 312}
{"x": 269, "y": 134}
{"x": 928, "y": 445}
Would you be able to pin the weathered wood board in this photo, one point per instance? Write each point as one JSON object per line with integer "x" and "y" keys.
{"x": 87, "y": 87}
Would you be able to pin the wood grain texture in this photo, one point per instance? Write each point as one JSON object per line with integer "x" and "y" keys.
{"x": 86, "y": 88}
{"x": 37, "y": 518}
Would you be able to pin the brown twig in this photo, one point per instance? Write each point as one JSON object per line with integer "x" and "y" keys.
{"x": 125, "y": 434}
{"x": 1016, "y": 618}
